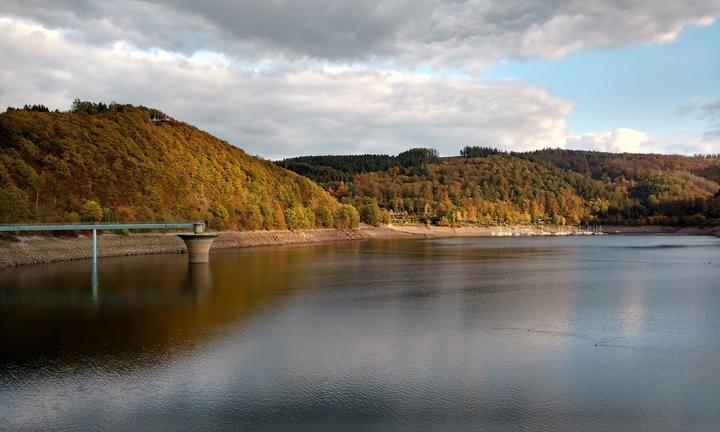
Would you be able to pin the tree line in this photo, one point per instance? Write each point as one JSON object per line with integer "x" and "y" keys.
{"x": 114, "y": 162}
{"x": 487, "y": 185}
{"x": 99, "y": 162}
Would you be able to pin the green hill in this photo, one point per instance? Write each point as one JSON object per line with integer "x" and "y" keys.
{"x": 557, "y": 186}
{"x": 125, "y": 163}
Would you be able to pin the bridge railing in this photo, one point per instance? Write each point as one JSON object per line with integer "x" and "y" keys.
{"x": 98, "y": 226}
{"x": 197, "y": 227}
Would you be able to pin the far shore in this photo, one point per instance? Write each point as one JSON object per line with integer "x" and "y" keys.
{"x": 660, "y": 230}
{"x": 538, "y": 230}
{"x": 16, "y": 251}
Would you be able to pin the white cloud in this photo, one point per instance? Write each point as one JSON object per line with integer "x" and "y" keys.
{"x": 276, "y": 114}
{"x": 277, "y": 108}
{"x": 622, "y": 140}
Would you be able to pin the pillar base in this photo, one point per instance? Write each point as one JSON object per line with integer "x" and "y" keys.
{"x": 198, "y": 246}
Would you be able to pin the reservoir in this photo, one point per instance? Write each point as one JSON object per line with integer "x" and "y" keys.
{"x": 550, "y": 333}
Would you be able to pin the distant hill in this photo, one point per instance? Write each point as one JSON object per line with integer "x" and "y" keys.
{"x": 554, "y": 186}
{"x": 125, "y": 163}
{"x": 342, "y": 168}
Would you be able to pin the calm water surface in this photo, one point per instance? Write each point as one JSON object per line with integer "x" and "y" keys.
{"x": 597, "y": 333}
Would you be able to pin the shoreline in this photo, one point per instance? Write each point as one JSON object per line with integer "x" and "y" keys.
{"x": 488, "y": 230}
{"x": 661, "y": 230}
{"x": 535, "y": 230}
{"x": 27, "y": 250}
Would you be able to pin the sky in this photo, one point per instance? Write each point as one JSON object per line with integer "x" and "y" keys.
{"x": 283, "y": 78}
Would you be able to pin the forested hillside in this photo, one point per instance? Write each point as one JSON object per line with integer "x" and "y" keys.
{"x": 485, "y": 185}
{"x": 125, "y": 163}
{"x": 332, "y": 168}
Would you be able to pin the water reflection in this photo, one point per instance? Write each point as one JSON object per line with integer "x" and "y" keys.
{"x": 69, "y": 312}
{"x": 473, "y": 334}
{"x": 199, "y": 281}
{"x": 95, "y": 281}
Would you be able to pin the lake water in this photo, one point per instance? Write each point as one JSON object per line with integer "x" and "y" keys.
{"x": 592, "y": 333}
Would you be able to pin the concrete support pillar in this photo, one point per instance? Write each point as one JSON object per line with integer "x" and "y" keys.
{"x": 198, "y": 246}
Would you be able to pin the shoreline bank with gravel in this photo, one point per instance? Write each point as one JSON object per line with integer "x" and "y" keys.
{"x": 16, "y": 251}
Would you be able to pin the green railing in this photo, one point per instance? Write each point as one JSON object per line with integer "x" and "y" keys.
{"x": 197, "y": 227}
{"x": 98, "y": 226}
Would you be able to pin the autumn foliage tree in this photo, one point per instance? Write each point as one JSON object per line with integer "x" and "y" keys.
{"x": 92, "y": 211}
{"x": 346, "y": 217}
{"x": 371, "y": 214}
{"x": 14, "y": 205}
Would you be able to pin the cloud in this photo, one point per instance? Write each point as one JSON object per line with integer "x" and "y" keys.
{"x": 622, "y": 140}
{"x": 712, "y": 135}
{"x": 401, "y": 32}
{"x": 278, "y": 108}
{"x": 626, "y": 140}
{"x": 689, "y": 106}
{"x": 711, "y": 110}
{"x": 282, "y": 113}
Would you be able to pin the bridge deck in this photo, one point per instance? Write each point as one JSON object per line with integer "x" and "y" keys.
{"x": 90, "y": 227}
{"x": 99, "y": 226}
